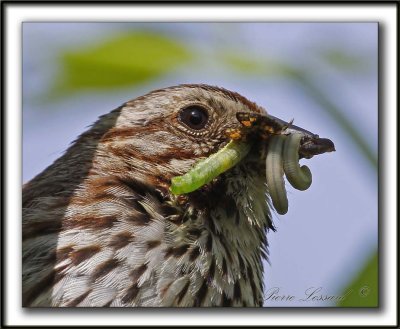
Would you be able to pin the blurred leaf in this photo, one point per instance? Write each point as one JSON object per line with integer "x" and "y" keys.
{"x": 364, "y": 286}
{"x": 241, "y": 63}
{"x": 128, "y": 59}
{"x": 244, "y": 64}
{"x": 344, "y": 61}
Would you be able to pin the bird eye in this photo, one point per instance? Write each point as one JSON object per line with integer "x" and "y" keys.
{"x": 194, "y": 116}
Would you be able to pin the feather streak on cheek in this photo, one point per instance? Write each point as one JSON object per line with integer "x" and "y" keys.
{"x": 183, "y": 164}
{"x": 151, "y": 152}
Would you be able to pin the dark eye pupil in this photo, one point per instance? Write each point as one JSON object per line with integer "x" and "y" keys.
{"x": 194, "y": 117}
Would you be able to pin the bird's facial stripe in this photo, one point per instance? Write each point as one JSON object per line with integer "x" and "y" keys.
{"x": 138, "y": 153}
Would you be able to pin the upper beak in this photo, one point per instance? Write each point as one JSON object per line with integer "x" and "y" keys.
{"x": 311, "y": 144}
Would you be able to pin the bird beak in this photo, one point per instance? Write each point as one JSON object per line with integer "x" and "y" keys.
{"x": 265, "y": 125}
{"x": 311, "y": 144}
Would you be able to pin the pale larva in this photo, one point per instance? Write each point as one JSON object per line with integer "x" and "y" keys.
{"x": 274, "y": 174}
{"x": 286, "y": 147}
{"x": 206, "y": 170}
{"x": 299, "y": 177}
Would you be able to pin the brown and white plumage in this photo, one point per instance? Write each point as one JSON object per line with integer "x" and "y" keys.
{"x": 100, "y": 227}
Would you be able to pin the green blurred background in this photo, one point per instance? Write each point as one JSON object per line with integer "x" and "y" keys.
{"x": 324, "y": 75}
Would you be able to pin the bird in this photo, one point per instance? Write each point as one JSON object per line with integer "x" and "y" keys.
{"x": 101, "y": 228}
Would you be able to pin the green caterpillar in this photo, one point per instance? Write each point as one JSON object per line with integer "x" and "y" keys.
{"x": 206, "y": 170}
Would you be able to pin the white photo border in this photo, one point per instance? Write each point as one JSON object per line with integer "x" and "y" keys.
{"x": 13, "y": 14}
